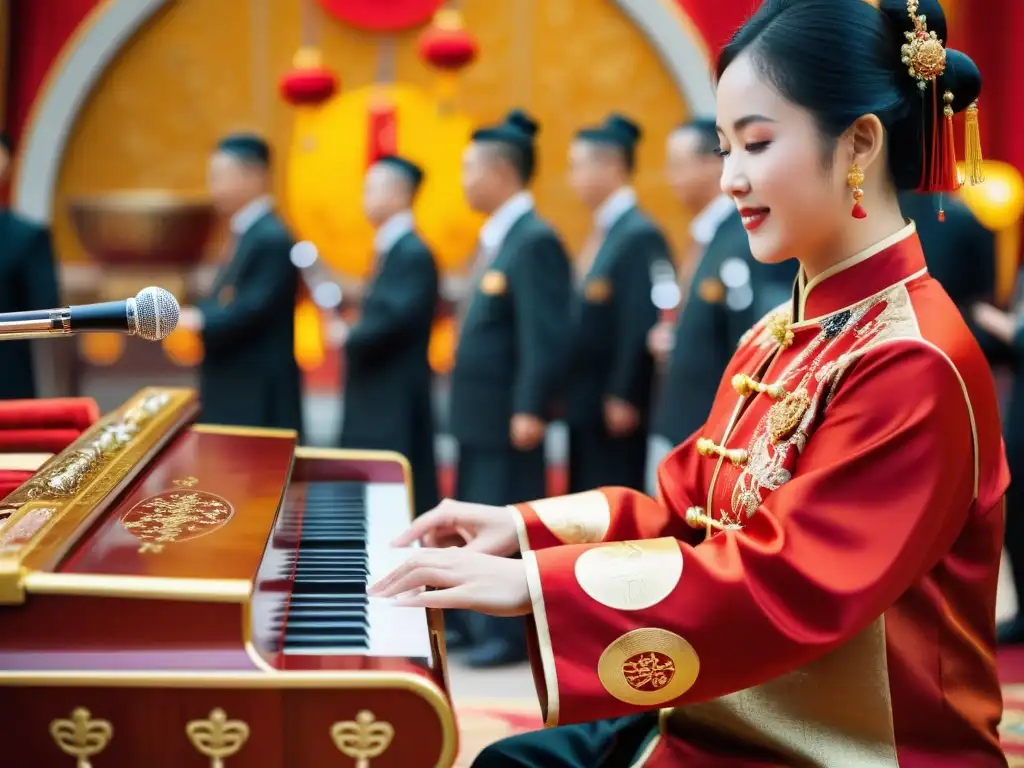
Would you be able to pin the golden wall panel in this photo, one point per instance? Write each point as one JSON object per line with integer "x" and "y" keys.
{"x": 202, "y": 68}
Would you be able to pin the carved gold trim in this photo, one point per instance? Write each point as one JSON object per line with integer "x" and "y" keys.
{"x": 97, "y": 466}
{"x": 283, "y": 680}
{"x": 81, "y": 736}
{"x": 363, "y": 739}
{"x": 150, "y": 587}
{"x": 217, "y": 737}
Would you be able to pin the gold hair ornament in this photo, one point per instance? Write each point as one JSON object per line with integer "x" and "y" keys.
{"x": 924, "y": 54}
{"x": 925, "y": 57}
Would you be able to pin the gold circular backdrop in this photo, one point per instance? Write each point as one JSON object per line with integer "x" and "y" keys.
{"x": 200, "y": 69}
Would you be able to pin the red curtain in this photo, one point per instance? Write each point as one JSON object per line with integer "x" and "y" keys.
{"x": 38, "y": 32}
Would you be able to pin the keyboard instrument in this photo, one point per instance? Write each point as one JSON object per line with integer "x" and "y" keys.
{"x": 181, "y": 594}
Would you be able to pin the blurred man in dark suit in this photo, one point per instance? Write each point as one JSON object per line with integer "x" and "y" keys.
{"x": 608, "y": 395}
{"x": 28, "y": 280}
{"x": 388, "y": 402}
{"x": 511, "y": 358}
{"x": 249, "y": 376}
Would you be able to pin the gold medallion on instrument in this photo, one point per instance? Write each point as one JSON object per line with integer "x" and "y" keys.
{"x": 176, "y": 516}
{"x": 579, "y": 518}
{"x": 785, "y": 416}
{"x": 631, "y": 575}
{"x": 648, "y": 667}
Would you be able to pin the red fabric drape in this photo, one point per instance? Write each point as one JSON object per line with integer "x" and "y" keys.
{"x": 39, "y": 29}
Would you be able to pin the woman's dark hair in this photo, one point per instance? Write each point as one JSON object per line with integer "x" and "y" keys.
{"x": 842, "y": 59}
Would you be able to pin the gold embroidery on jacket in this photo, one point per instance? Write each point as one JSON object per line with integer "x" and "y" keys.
{"x": 768, "y": 466}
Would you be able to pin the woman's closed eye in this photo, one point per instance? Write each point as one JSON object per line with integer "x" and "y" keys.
{"x": 752, "y": 148}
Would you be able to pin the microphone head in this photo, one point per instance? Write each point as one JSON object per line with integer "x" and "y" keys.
{"x": 156, "y": 313}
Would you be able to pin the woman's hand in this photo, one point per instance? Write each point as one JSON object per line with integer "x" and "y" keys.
{"x": 478, "y": 527}
{"x": 462, "y": 578}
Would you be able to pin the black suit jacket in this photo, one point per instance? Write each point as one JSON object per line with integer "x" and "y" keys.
{"x": 612, "y": 313}
{"x": 28, "y": 280}
{"x": 712, "y": 321}
{"x": 960, "y": 253}
{"x": 512, "y": 352}
{"x": 388, "y": 384}
{"x": 249, "y": 376}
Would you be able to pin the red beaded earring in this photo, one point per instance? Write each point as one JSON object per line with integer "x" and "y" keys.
{"x": 855, "y": 179}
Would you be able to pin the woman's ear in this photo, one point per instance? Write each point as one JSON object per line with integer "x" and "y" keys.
{"x": 867, "y": 137}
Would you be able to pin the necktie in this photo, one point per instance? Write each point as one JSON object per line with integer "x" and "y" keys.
{"x": 585, "y": 258}
{"x": 481, "y": 260}
{"x": 691, "y": 260}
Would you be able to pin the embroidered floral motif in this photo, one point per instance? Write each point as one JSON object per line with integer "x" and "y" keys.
{"x": 771, "y": 464}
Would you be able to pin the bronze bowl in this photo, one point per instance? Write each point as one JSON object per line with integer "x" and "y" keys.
{"x": 153, "y": 227}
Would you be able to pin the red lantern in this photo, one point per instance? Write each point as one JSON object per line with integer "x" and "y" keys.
{"x": 381, "y": 15}
{"x": 309, "y": 82}
{"x": 445, "y": 44}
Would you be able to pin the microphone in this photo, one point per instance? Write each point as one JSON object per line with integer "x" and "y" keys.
{"x": 151, "y": 315}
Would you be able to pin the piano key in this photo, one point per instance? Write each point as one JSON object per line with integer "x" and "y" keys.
{"x": 343, "y": 532}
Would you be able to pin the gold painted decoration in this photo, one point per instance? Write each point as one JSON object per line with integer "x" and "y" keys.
{"x": 711, "y": 290}
{"x": 363, "y": 739}
{"x": 648, "y": 667}
{"x": 226, "y": 295}
{"x": 579, "y": 518}
{"x": 81, "y": 736}
{"x": 631, "y": 575}
{"x": 598, "y": 290}
{"x": 176, "y": 516}
{"x": 217, "y": 737}
{"x": 493, "y": 283}
{"x": 95, "y": 450}
{"x": 785, "y": 416}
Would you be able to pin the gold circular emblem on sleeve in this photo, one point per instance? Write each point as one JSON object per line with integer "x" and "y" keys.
{"x": 631, "y": 575}
{"x": 648, "y": 667}
{"x": 580, "y": 518}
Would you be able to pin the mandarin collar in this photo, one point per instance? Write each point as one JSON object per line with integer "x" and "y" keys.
{"x": 892, "y": 261}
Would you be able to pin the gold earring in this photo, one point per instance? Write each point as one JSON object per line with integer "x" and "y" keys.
{"x": 855, "y": 179}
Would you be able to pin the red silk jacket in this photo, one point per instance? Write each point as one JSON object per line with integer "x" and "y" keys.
{"x": 815, "y": 584}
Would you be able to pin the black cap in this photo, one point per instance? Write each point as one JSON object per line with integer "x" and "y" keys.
{"x": 518, "y": 128}
{"x": 247, "y": 147}
{"x": 412, "y": 172}
{"x": 617, "y": 131}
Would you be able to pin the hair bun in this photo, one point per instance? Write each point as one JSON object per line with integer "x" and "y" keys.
{"x": 962, "y": 78}
{"x": 901, "y": 20}
{"x": 521, "y": 120}
{"x": 961, "y": 75}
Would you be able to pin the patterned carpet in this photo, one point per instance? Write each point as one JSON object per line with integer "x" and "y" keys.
{"x": 1011, "y": 671}
{"x": 484, "y": 722}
